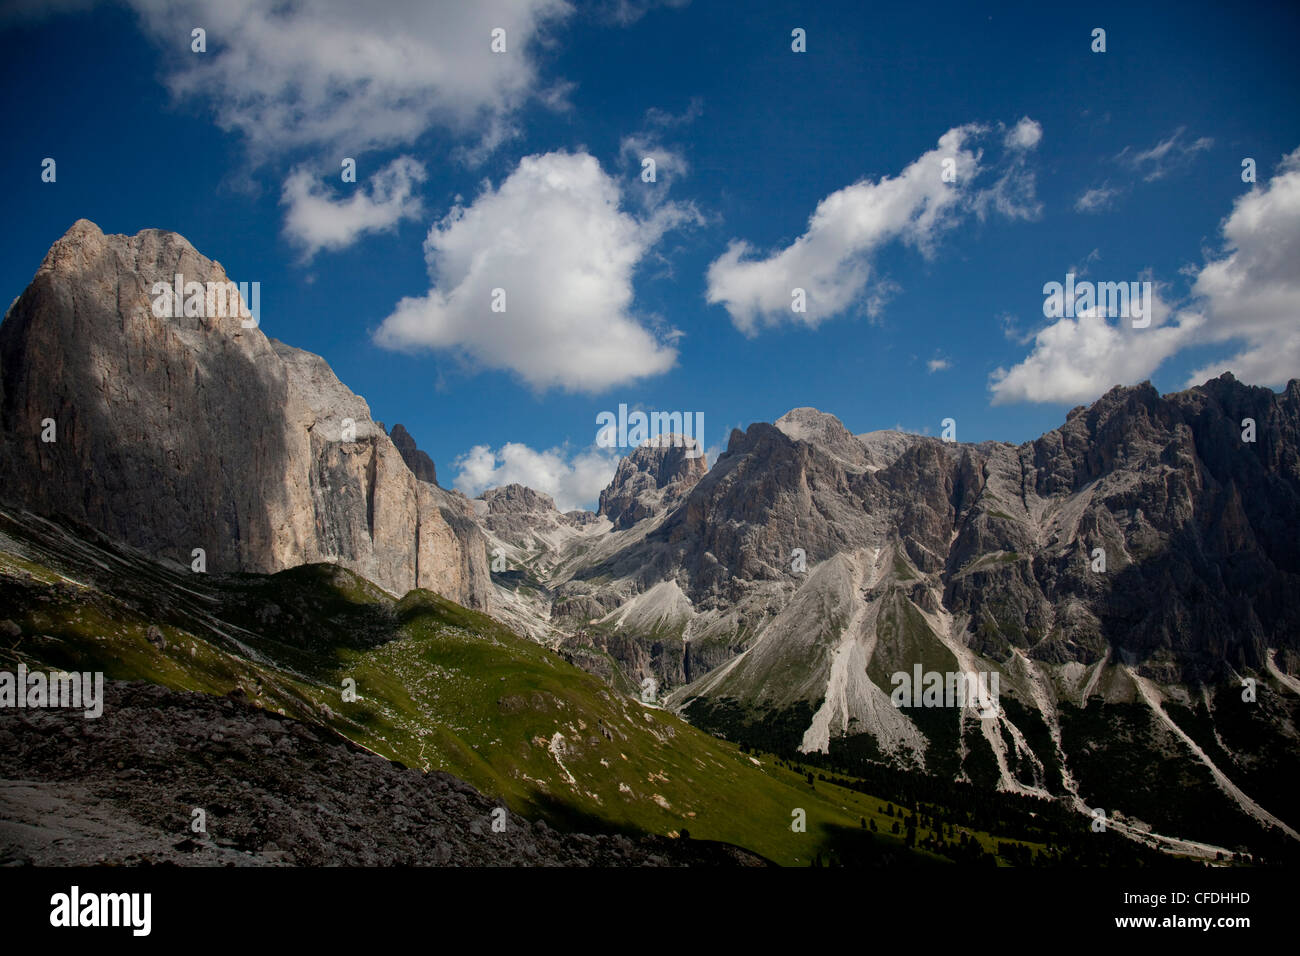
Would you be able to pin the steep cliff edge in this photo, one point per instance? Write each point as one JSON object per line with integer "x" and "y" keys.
{"x": 175, "y": 433}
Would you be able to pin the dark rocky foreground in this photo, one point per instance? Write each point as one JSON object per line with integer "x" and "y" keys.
{"x": 121, "y": 790}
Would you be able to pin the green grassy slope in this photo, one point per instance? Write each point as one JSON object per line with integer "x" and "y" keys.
{"x": 437, "y": 687}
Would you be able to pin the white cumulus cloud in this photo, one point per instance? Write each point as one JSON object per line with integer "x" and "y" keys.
{"x": 1248, "y": 293}
{"x": 315, "y": 220}
{"x": 1252, "y": 293}
{"x": 1024, "y": 135}
{"x": 1074, "y": 360}
{"x": 352, "y": 76}
{"x": 555, "y": 243}
{"x": 832, "y": 260}
{"x": 574, "y": 481}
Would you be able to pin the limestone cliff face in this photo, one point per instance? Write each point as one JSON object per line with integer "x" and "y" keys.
{"x": 1198, "y": 530}
{"x": 419, "y": 462}
{"x": 178, "y": 433}
{"x": 656, "y": 477}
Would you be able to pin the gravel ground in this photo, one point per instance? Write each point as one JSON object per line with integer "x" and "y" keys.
{"x": 121, "y": 790}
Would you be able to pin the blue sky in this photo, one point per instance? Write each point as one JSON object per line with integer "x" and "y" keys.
{"x": 775, "y": 169}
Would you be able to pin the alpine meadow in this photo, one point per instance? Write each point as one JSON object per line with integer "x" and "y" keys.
{"x": 609, "y": 434}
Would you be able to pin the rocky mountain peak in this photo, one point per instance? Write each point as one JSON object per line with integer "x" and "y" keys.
{"x": 654, "y": 478}
{"x": 177, "y": 432}
{"x": 520, "y": 517}
{"x": 419, "y": 462}
{"x": 829, "y": 434}
{"x": 886, "y": 446}
{"x": 811, "y": 424}
{"x": 516, "y": 499}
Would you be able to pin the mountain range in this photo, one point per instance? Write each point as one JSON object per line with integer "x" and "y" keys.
{"x": 1129, "y": 577}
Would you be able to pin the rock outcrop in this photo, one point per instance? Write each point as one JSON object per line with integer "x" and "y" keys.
{"x": 419, "y": 462}
{"x": 178, "y": 433}
{"x": 517, "y": 514}
{"x": 1201, "y": 530}
{"x": 1141, "y": 560}
{"x": 655, "y": 478}
{"x": 120, "y": 790}
{"x": 516, "y": 499}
